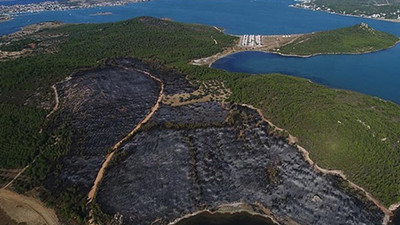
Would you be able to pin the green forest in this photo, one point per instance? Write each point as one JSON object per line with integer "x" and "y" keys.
{"x": 355, "y": 39}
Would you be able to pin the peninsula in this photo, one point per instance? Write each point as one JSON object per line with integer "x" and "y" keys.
{"x": 122, "y": 128}
{"x": 357, "y": 39}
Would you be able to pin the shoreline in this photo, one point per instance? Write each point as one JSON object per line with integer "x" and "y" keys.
{"x": 101, "y": 14}
{"x": 333, "y": 53}
{"x": 232, "y": 208}
{"x": 6, "y": 19}
{"x": 212, "y": 59}
{"x": 343, "y": 14}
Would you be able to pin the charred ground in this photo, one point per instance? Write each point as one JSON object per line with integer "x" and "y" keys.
{"x": 200, "y": 156}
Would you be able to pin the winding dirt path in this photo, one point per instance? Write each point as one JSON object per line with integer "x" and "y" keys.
{"x": 18, "y": 175}
{"x": 100, "y": 174}
{"x": 56, "y": 99}
{"x": 55, "y": 108}
{"x": 215, "y": 41}
{"x": 24, "y": 209}
{"x": 306, "y": 155}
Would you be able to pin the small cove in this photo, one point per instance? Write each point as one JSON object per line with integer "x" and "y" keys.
{"x": 241, "y": 218}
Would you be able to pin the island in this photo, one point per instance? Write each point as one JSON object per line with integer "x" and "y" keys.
{"x": 5, "y": 18}
{"x": 124, "y": 129}
{"x": 101, "y": 14}
{"x": 357, "y": 39}
{"x": 376, "y": 9}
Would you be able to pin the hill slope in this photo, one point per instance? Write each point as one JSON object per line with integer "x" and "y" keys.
{"x": 355, "y": 39}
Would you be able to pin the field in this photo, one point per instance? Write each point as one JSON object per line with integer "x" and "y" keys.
{"x": 352, "y": 40}
{"x": 343, "y": 130}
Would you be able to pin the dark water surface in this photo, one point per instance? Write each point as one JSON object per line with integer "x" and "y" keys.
{"x": 207, "y": 218}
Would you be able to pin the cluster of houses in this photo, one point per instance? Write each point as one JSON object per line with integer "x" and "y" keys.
{"x": 59, "y": 6}
{"x": 308, "y": 4}
{"x": 251, "y": 40}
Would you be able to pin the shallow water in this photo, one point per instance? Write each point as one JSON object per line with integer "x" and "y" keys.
{"x": 207, "y": 218}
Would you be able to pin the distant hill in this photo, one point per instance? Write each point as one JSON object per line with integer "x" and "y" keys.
{"x": 355, "y": 39}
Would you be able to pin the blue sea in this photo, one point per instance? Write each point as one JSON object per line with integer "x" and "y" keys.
{"x": 376, "y": 74}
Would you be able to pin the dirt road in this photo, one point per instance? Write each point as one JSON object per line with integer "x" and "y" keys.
{"x": 109, "y": 157}
{"x": 57, "y": 101}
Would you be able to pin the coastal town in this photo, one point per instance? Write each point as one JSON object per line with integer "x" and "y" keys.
{"x": 383, "y": 11}
{"x": 7, "y": 11}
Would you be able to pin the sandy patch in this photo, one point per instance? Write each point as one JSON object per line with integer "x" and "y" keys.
{"x": 23, "y": 209}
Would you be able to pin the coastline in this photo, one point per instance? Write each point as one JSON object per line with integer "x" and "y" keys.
{"x": 212, "y": 59}
{"x": 101, "y": 14}
{"x": 229, "y": 209}
{"x": 6, "y": 19}
{"x": 343, "y": 14}
{"x": 333, "y": 53}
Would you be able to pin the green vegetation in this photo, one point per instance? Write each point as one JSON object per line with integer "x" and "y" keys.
{"x": 355, "y": 39}
{"x": 20, "y": 138}
{"x": 343, "y": 130}
{"x": 17, "y": 45}
{"x": 89, "y": 44}
{"x": 387, "y": 9}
